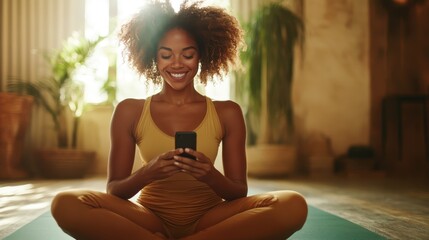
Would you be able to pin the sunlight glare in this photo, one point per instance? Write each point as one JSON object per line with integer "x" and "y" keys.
{"x": 34, "y": 206}
{"x": 8, "y": 221}
{"x": 13, "y": 190}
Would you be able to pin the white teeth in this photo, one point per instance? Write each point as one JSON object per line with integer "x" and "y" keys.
{"x": 177, "y": 75}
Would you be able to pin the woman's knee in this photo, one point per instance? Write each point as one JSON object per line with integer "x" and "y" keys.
{"x": 65, "y": 206}
{"x": 294, "y": 205}
{"x": 61, "y": 201}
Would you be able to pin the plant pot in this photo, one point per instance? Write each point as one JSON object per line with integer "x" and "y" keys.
{"x": 271, "y": 161}
{"x": 65, "y": 163}
{"x": 15, "y": 114}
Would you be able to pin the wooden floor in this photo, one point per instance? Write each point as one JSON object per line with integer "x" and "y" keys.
{"x": 396, "y": 209}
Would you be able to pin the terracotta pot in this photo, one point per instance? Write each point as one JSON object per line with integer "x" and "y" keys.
{"x": 271, "y": 161}
{"x": 15, "y": 114}
{"x": 65, "y": 163}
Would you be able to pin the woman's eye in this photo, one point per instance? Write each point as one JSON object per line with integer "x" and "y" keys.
{"x": 188, "y": 56}
{"x": 165, "y": 56}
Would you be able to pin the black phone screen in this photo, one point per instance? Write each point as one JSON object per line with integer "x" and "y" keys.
{"x": 186, "y": 140}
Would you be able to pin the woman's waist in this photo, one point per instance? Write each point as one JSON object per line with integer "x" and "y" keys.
{"x": 178, "y": 202}
{"x": 178, "y": 192}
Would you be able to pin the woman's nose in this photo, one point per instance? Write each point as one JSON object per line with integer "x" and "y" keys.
{"x": 177, "y": 62}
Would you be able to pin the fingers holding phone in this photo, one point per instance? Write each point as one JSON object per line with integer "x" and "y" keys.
{"x": 200, "y": 166}
{"x": 163, "y": 165}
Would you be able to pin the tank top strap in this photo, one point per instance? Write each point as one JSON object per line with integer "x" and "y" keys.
{"x": 146, "y": 107}
{"x": 213, "y": 118}
{"x": 143, "y": 120}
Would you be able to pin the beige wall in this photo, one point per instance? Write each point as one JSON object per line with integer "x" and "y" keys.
{"x": 331, "y": 92}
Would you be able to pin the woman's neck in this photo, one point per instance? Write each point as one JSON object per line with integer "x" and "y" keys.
{"x": 178, "y": 97}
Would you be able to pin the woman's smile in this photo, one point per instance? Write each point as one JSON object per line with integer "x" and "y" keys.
{"x": 178, "y": 76}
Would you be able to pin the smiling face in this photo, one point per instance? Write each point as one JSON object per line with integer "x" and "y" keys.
{"x": 177, "y": 58}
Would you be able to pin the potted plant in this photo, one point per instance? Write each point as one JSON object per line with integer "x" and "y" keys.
{"x": 265, "y": 89}
{"x": 60, "y": 95}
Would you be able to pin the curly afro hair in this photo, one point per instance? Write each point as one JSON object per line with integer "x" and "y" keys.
{"x": 217, "y": 33}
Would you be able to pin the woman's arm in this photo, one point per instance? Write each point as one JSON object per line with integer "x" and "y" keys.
{"x": 233, "y": 184}
{"x": 121, "y": 182}
{"x": 122, "y": 150}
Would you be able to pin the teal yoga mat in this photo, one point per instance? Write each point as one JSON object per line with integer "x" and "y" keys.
{"x": 319, "y": 225}
{"x": 323, "y": 225}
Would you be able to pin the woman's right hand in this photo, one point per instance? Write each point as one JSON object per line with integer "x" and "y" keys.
{"x": 158, "y": 168}
{"x": 163, "y": 165}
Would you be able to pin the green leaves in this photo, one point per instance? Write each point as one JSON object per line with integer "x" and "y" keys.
{"x": 272, "y": 35}
{"x": 59, "y": 90}
{"x": 72, "y": 55}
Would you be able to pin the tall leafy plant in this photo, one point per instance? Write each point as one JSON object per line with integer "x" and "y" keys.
{"x": 265, "y": 87}
{"x": 60, "y": 92}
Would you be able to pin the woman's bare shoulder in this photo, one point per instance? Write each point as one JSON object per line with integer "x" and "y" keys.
{"x": 131, "y": 103}
{"x": 129, "y": 108}
{"x": 228, "y": 110}
{"x": 226, "y": 106}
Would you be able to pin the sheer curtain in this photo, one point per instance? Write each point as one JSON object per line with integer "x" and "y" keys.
{"x": 29, "y": 30}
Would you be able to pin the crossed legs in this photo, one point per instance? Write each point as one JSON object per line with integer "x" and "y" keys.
{"x": 95, "y": 215}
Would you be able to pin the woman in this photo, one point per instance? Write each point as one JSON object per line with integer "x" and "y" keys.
{"x": 180, "y": 198}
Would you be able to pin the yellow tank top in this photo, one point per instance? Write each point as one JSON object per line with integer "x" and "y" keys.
{"x": 179, "y": 200}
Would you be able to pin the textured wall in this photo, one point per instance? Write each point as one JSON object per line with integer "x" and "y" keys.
{"x": 332, "y": 92}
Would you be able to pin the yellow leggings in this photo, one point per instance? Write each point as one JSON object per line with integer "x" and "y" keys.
{"x": 97, "y": 215}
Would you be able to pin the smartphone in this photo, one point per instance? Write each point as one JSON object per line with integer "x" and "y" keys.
{"x": 186, "y": 140}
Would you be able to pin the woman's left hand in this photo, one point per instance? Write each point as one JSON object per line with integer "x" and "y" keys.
{"x": 201, "y": 168}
